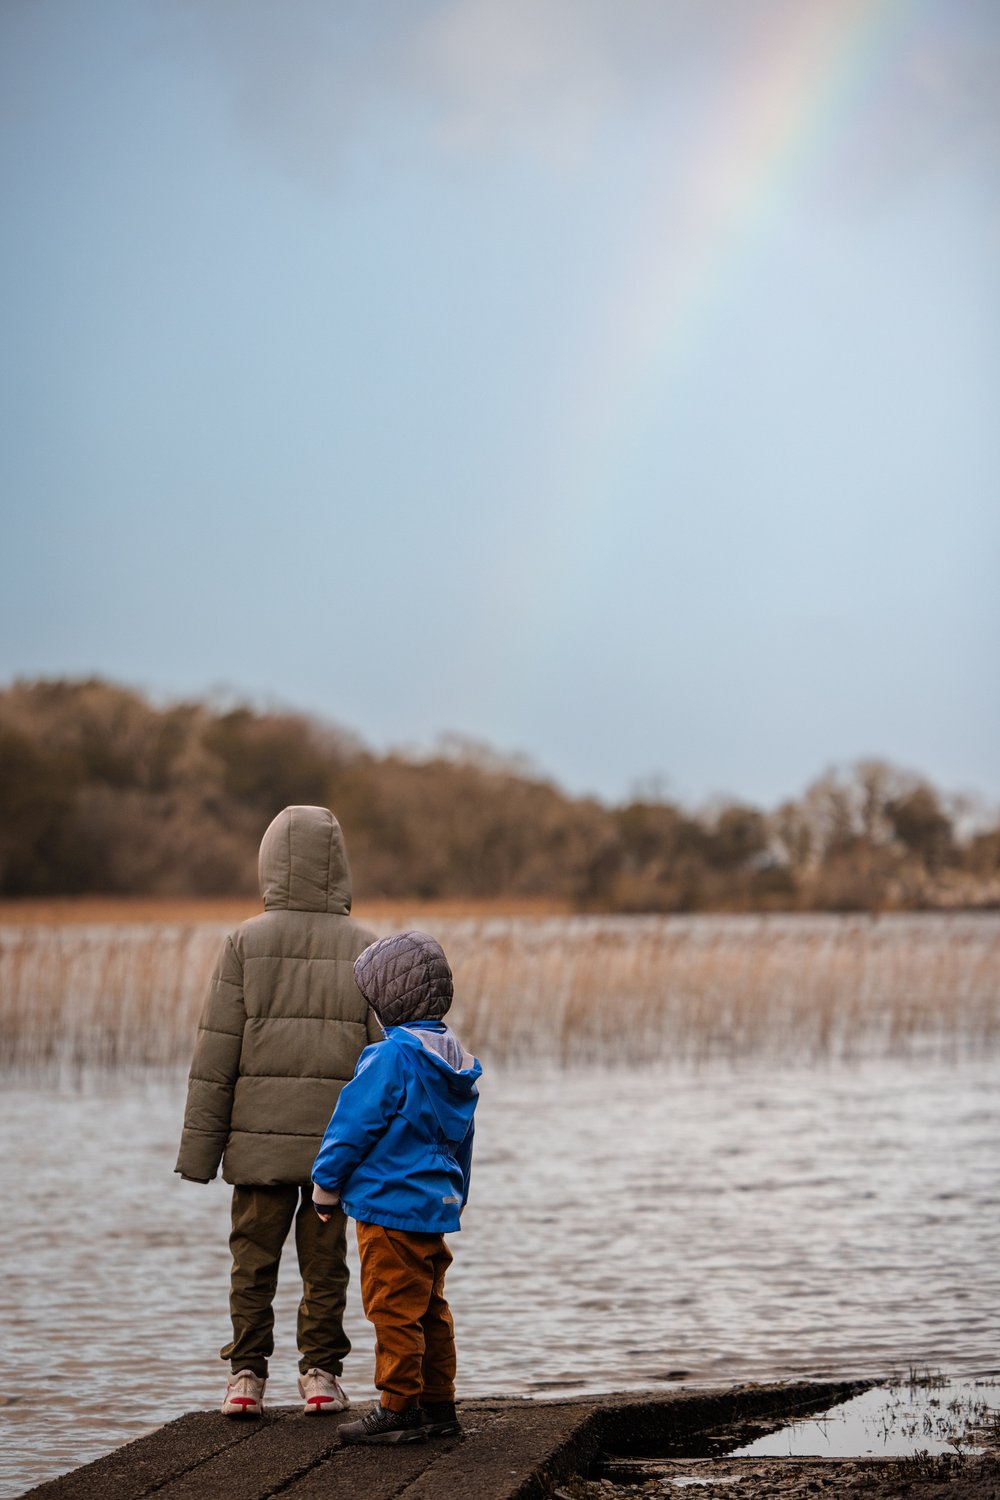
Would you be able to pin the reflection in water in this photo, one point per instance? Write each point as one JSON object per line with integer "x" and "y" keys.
{"x": 625, "y": 1229}
{"x": 922, "y": 1415}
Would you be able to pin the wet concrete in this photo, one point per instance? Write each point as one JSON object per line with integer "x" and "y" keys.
{"x": 511, "y": 1449}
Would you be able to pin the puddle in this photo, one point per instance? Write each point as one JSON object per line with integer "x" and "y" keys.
{"x": 930, "y": 1414}
{"x": 928, "y": 1418}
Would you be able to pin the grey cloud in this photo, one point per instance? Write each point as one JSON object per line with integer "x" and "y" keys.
{"x": 482, "y": 78}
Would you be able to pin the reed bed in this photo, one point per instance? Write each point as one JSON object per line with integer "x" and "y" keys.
{"x": 696, "y": 989}
{"x": 628, "y": 990}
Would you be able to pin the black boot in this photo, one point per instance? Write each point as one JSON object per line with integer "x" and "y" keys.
{"x": 384, "y": 1426}
{"x": 441, "y": 1419}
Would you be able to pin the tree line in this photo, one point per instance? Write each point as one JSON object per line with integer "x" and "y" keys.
{"x": 103, "y": 792}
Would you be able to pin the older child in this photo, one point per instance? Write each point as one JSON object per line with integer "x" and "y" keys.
{"x": 282, "y": 1030}
{"x": 396, "y": 1156}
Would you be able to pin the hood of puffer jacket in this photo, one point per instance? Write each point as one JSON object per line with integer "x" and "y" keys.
{"x": 447, "y": 1072}
{"x": 302, "y": 864}
{"x": 405, "y": 977}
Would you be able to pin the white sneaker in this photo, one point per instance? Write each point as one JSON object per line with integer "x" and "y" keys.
{"x": 244, "y": 1395}
{"x": 322, "y": 1392}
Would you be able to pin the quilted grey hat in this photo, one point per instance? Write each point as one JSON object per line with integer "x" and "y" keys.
{"x": 405, "y": 977}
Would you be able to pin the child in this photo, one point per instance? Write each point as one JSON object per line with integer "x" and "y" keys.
{"x": 282, "y": 1030}
{"x": 396, "y": 1156}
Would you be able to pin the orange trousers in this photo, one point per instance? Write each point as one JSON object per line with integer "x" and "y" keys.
{"x": 402, "y": 1291}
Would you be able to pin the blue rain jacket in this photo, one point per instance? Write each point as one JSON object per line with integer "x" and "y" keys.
{"x": 398, "y": 1148}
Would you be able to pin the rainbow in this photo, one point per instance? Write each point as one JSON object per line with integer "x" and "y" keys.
{"x": 687, "y": 258}
{"x": 791, "y": 102}
{"x": 718, "y": 199}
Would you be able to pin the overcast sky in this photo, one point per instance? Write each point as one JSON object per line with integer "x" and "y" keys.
{"x": 616, "y": 384}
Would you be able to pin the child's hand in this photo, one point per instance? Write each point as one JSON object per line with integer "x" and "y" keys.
{"x": 324, "y": 1201}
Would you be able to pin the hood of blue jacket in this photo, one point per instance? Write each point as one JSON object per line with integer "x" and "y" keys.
{"x": 446, "y": 1072}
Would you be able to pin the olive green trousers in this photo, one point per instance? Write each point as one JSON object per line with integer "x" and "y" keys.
{"x": 262, "y": 1218}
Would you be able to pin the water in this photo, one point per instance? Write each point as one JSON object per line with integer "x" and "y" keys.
{"x": 930, "y": 1416}
{"x": 626, "y": 1230}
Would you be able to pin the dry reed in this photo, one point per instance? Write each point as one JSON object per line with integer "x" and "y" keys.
{"x": 570, "y": 989}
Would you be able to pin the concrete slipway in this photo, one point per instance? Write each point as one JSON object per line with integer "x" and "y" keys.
{"x": 511, "y": 1450}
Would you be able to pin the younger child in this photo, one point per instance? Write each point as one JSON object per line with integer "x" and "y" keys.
{"x": 396, "y": 1156}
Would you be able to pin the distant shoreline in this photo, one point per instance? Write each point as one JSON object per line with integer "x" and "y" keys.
{"x": 59, "y": 910}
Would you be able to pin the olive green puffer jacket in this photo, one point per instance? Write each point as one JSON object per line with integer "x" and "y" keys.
{"x": 284, "y": 1021}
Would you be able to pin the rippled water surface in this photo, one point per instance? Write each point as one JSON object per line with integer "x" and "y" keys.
{"x": 626, "y": 1230}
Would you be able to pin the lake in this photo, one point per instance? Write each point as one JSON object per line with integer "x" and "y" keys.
{"x": 737, "y": 1220}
